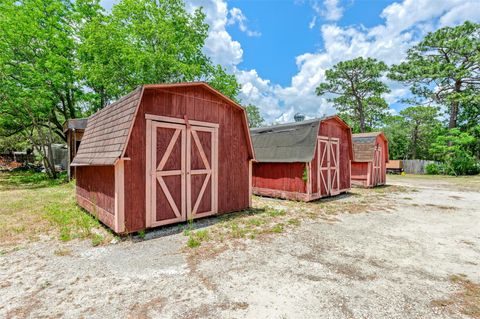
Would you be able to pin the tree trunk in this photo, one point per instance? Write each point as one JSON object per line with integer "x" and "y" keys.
{"x": 414, "y": 142}
{"x": 361, "y": 116}
{"x": 454, "y": 107}
{"x": 44, "y": 147}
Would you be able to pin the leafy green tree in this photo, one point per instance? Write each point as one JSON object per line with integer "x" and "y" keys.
{"x": 224, "y": 82}
{"x": 445, "y": 68}
{"x": 60, "y": 59}
{"x": 422, "y": 126}
{"x": 255, "y": 119}
{"x": 452, "y": 149}
{"x": 396, "y": 130}
{"x": 358, "y": 89}
{"x": 146, "y": 41}
{"x": 38, "y": 84}
{"x": 37, "y": 55}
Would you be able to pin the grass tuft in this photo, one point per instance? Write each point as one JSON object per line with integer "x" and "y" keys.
{"x": 196, "y": 238}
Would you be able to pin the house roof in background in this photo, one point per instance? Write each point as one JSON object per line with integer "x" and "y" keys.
{"x": 77, "y": 124}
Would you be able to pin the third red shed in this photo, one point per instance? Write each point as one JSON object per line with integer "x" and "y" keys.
{"x": 369, "y": 160}
{"x": 304, "y": 160}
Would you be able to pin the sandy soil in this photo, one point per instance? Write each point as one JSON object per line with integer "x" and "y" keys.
{"x": 388, "y": 263}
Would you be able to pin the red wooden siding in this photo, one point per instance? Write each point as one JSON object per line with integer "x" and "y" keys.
{"x": 285, "y": 180}
{"x": 332, "y": 128}
{"x": 96, "y": 191}
{"x": 362, "y": 172}
{"x": 281, "y": 176}
{"x": 359, "y": 171}
{"x": 196, "y": 103}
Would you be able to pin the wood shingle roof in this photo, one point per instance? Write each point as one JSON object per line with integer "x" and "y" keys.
{"x": 107, "y": 132}
{"x": 364, "y": 146}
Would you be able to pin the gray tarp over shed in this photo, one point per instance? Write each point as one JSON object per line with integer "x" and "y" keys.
{"x": 286, "y": 143}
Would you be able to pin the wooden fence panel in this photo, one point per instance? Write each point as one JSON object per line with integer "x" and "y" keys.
{"x": 416, "y": 166}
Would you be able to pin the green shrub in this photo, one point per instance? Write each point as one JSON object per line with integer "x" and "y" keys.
{"x": 432, "y": 169}
{"x": 453, "y": 148}
{"x": 463, "y": 165}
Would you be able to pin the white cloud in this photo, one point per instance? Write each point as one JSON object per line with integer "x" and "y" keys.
{"x": 237, "y": 17}
{"x": 329, "y": 10}
{"x": 405, "y": 23}
{"x": 332, "y": 12}
{"x": 313, "y": 22}
{"x": 466, "y": 11}
{"x": 219, "y": 46}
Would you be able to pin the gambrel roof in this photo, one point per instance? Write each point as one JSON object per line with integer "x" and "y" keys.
{"x": 107, "y": 133}
{"x": 288, "y": 143}
{"x": 364, "y": 146}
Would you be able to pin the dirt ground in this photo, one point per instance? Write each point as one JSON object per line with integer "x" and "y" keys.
{"x": 394, "y": 254}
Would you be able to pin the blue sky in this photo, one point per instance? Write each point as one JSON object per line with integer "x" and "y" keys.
{"x": 285, "y": 33}
{"x": 279, "y": 49}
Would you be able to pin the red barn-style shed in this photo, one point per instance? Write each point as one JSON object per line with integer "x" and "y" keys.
{"x": 304, "y": 160}
{"x": 370, "y": 155}
{"x": 163, "y": 154}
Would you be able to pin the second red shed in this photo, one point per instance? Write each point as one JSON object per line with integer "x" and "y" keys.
{"x": 370, "y": 155}
{"x": 304, "y": 160}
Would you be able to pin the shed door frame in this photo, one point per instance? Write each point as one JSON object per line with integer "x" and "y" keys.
{"x": 377, "y": 165}
{"x": 190, "y": 126}
{"x": 158, "y": 173}
{"x": 210, "y": 171}
{"x": 328, "y": 175}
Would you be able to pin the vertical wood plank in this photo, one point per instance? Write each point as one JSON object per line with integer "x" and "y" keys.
{"x": 188, "y": 169}
{"x": 250, "y": 171}
{"x": 148, "y": 173}
{"x": 119, "y": 197}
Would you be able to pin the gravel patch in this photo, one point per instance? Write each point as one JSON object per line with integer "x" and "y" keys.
{"x": 379, "y": 264}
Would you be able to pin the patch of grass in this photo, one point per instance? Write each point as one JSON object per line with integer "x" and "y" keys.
{"x": 252, "y": 223}
{"x": 466, "y": 299}
{"x": 141, "y": 234}
{"x": 97, "y": 240}
{"x": 278, "y": 228}
{"x": 71, "y": 221}
{"x": 196, "y": 238}
{"x": 256, "y": 221}
{"x": 294, "y": 221}
{"x": 29, "y": 180}
{"x": 276, "y": 212}
{"x": 237, "y": 231}
{"x": 33, "y": 205}
{"x": 461, "y": 182}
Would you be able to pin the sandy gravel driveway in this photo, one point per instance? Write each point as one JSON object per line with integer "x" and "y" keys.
{"x": 409, "y": 257}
